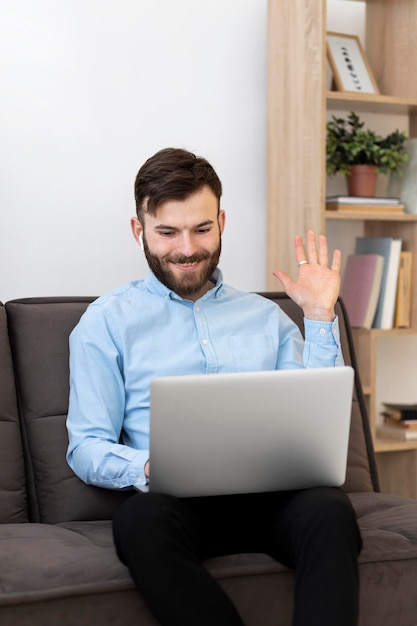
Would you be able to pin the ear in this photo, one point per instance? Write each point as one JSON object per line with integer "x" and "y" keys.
{"x": 222, "y": 220}
{"x": 137, "y": 229}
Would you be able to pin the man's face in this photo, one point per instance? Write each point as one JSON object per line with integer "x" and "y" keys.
{"x": 182, "y": 242}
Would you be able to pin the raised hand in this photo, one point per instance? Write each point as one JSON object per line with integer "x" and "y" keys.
{"x": 317, "y": 286}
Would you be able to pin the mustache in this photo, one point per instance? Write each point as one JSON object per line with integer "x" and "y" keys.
{"x": 194, "y": 258}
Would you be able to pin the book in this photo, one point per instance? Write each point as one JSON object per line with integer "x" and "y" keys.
{"x": 402, "y": 315}
{"x": 391, "y": 432}
{"x": 403, "y": 424}
{"x": 390, "y": 249}
{"x": 400, "y": 412}
{"x": 372, "y": 200}
{"x": 364, "y": 203}
{"x": 361, "y": 286}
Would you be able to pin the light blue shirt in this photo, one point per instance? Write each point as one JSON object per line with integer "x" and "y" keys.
{"x": 143, "y": 330}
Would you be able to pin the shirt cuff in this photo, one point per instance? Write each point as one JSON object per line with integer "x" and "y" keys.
{"x": 134, "y": 473}
{"x": 324, "y": 333}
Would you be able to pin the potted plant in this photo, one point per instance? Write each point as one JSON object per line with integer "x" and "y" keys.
{"x": 350, "y": 147}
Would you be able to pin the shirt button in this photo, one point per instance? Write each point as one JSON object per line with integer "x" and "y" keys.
{"x": 205, "y": 342}
{"x": 197, "y": 309}
{"x": 322, "y": 331}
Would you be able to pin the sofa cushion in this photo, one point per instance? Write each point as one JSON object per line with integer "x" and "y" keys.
{"x": 69, "y": 574}
{"x": 44, "y": 568}
{"x": 13, "y": 506}
{"x": 39, "y": 329}
{"x": 388, "y": 561}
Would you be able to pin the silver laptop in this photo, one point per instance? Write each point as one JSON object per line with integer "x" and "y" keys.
{"x": 248, "y": 432}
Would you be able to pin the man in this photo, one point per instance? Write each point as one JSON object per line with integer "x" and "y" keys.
{"x": 183, "y": 319}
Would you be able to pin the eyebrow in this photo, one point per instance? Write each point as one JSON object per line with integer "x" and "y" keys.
{"x": 169, "y": 227}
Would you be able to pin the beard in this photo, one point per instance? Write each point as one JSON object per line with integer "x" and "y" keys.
{"x": 190, "y": 283}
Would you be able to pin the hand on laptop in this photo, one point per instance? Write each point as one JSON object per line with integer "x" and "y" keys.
{"x": 317, "y": 286}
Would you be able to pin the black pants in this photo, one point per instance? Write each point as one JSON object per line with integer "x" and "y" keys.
{"x": 163, "y": 541}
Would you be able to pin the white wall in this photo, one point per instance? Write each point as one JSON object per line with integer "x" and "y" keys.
{"x": 90, "y": 89}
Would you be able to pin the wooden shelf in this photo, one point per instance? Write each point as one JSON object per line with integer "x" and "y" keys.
{"x": 385, "y": 216}
{"x": 370, "y": 103}
{"x": 298, "y": 106}
{"x": 393, "y": 445}
{"x": 382, "y": 332}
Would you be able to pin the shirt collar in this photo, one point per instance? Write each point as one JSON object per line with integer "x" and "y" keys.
{"x": 153, "y": 285}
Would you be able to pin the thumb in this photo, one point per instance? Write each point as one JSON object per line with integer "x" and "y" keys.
{"x": 284, "y": 279}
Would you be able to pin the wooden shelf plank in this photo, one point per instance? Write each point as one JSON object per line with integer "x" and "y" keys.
{"x": 371, "y": 103}
{"x": 383, "y": 332}
{"x": 393, "y": 445}
{"x": 385, "y": 216}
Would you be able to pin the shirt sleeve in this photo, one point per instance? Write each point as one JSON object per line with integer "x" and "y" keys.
{"x": 97, "y": 407}
{"x": 322, "y": 346}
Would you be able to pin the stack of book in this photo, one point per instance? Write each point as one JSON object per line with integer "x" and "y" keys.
{"x": 363, "y": 203}
{"x": 399, "y": 421}
{"x": 376, "y": 284}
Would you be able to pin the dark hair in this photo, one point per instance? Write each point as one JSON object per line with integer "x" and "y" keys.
{"x": 172, "y": 174}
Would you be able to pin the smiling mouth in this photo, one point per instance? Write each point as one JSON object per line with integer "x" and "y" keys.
{"x": 187, "y": 266}
{"x": 190, "y": 263}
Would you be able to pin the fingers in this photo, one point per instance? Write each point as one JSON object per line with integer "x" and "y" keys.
{"x": 315, "y": 253}
{"x": 336, "y": 261}
{"x": 312, "y": 246}
{"x": 282, "y": 277}
{"x": 323, "y": 251}
{"x": 300, "y": 254}
{"x": 299, "y": 249}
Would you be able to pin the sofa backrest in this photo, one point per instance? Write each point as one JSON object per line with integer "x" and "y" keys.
{"x": 13, "y": 503}
{"x": 39, "y": 329}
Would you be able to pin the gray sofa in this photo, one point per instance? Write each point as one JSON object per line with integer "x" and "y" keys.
{"x": 57, "y": 561}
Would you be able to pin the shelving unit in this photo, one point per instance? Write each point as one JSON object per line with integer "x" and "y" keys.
{"x": 296, "y": 181}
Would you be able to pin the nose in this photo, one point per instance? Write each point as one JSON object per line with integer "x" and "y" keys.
{"x": 186, "y": 244}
